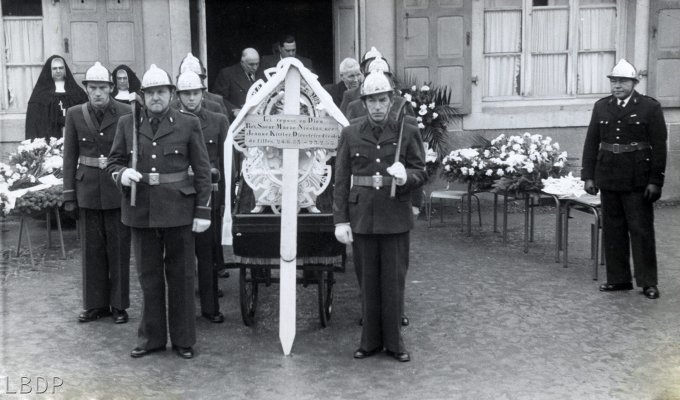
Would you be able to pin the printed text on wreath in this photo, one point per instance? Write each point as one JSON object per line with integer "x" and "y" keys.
{"x": 291, "y": 131}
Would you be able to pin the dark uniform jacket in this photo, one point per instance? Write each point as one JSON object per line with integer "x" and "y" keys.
{"x": 336, "y": 91}
{"x": 91, "y": 187}
{"x": 225, "y": 108}
{"x": 176, "y": 145}
{"x": 233, "y": 84}
{"x": 370, "y": 210}
{"x": 207, "y": 104}
{"x": 214, "y": 127}
{"x": 641, "y": 120}
{"x": 349, "y": 96}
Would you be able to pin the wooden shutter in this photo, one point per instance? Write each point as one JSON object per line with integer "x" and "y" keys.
{"x": 664, "y": 52}
{"x": 433, "y": 45}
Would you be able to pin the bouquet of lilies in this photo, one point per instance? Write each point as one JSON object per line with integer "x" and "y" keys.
{"x": 469, "y": 165}
{"x": 433, "y": 113}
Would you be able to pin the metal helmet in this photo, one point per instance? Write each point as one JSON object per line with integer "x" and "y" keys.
{"x": 373, "y": 53}
{"x": 379, "y": 64}
{"x": 156, "y": 77}
{"x": 97, "y": 73}
{"x": 624, "y": 69}
{"x": 191, "y": 63}
{"x": 189, "y": 80}
{"x": 375, "y": 83}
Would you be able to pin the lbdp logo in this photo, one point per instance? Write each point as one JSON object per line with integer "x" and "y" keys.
{"x": 23, "y": 385}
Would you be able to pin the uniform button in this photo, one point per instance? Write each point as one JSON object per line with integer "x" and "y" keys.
{"x": 618, "y": 122}
{"x": 617, "y": 129}
{"x": 153, "y": 156}
{"x": 153, "y": 169}
{"x": 210, "y": 141}
{"x": 618, "y": 137}
{"x": 176, "y": 151}
{"x": 377, "y": 147}
{"x": 154, "y": 143}
{"x": 377, "y": 160}
{"x": 357, "y": 155}
{"x": 101, "y": 133}
{"x": 84, "y": 139}
{"x": 101, "y": 155}
{"x": 637, "y": 123}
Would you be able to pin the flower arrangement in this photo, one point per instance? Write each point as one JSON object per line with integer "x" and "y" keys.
{"x": 432, "y": 162}
{"x": 508, "y": 163}
{"x": 29, "y": 183}
{"x": 525, "y": 160}
{"x": 433, "y": 113}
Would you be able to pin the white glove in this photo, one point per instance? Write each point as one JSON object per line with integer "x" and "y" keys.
{"x": 200, "y": 225}
{"x": 398, "y": 171}
{"x": 343, "y": 233}
{"x": 129, "y": 175}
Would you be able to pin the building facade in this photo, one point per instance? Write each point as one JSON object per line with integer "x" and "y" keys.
{"x": 513, "y": 65}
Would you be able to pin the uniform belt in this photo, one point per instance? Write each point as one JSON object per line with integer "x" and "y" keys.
{"x": 95, "y": 162}
{"x": 376, "y": 181}
{"x": 155, "y": 178}
{"x": 624, "y": 148}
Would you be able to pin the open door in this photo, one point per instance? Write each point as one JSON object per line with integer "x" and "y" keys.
{"x": 105, "y": 31}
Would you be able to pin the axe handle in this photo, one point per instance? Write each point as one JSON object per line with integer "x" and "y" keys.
{"x": 393, "y": 188}
{"x": 135, "y": 145}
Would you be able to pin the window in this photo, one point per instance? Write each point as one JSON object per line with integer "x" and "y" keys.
{"x": 548, "y": 48}
{"x": 21, "y": 33}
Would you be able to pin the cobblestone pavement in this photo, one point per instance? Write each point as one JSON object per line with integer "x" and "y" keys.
{"x": 487, "y": 322}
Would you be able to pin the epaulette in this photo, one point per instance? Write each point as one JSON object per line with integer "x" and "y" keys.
{"x": 357, "y": 120}
{"x": 607, "y": 99}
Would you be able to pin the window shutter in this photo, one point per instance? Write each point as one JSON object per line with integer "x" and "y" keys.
{"x": 664, "y": 52}
{"x": 433, "y": 45}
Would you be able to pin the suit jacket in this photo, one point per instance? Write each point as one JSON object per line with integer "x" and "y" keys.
{"x": 371, "y": 211}
{"x": 336, "y": 91}
{"x": 349, "y": 96}
{"x": 176, "y": 146}
{"x": 270, "y": 61}
{"x": 641, "y": 120}
{"x": 233, "y": 84}
{"x": 90, "y": 187}
{"x": 225, "y": 108}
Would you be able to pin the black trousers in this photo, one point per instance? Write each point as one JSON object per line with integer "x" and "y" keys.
{"x": 105, "y": 244}
{"x": 628, "y": 221}
{"x": 209, "y": 260}
{"x": 166, "y": 255}
{"x": 382, "y": 259}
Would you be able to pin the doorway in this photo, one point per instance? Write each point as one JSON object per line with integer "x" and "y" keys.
{"x": 233, "y": 25}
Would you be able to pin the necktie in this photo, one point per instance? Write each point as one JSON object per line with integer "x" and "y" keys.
{"x": 251, "y": 78}
{"x": 376, "y": 132}
{"x": 99, "y": 114}
{"x": 621, "y": 103}
{"x": 154, "y": 124}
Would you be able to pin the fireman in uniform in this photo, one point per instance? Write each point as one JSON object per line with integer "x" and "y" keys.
{"x": 169, "y": 207}
{"x": 365, "y": 215}
{"x": 209, "y": 256}
{"x": 191, "y": 63}
{"x": 624, "y": 157}
{"x": 105, "y": 241}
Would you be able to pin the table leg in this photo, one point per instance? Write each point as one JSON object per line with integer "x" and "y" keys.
{"x": 48, "y": 226}
{"x": 495, "y": 211}
{"x": 61, "y": 233}
{"x": 505, "y": 218}
{"x": 527, "y": 207}
{"x": 565, "y": 236}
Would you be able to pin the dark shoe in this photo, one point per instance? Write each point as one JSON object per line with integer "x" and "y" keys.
{"x": 93, "y": 314}
{"x": 220, "y": 293}
{"x": 401, "y": 357}
{"x": 404, "y": 320}
{"x": 613, "y": 287}
{"x": 184, "y": 352}
{"x": 651, "y": 292}
{"x": 361, "y": 353}
{"x": 214, "y": 318}
{"x": 120, "y": 316}
{"x": 139, "y": 352}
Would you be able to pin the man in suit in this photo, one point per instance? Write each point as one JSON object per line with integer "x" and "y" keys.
{"x": 287, "y": 48}
{"x": 169, "y": 206}
{"x": 624, "y": 157}
{"x": 209, "y": 243}
{"x": 350, "y": 78}
{"x": 104, "y": 240}
{"x": 367, "y": 216}
{"x": 233, "y": 82}
{"x": 353, "y": 94}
